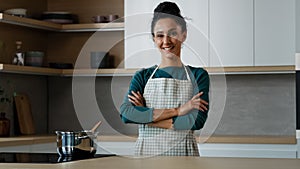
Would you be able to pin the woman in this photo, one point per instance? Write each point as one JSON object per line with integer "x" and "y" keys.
{"x": 168, "y": 101}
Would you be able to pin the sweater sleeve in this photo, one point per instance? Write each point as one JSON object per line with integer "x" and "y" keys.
{"x": 195, "y": 119}
{"x": 136, "y": 114}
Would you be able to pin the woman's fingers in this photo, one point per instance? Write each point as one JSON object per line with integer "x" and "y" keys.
{"x": 199, "y": 103}
{"x": 137, "y": 95}
{"x": 203, "y": 102}
{"x": 202, "y": 107}
{"x": 133, "y": 100}
{"x": 136, "y": 98}
{"x": 197, "y": 95}
{"x": 199, "y": 106}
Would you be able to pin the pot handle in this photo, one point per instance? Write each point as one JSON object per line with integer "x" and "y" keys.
{"x": 83, "y": 137}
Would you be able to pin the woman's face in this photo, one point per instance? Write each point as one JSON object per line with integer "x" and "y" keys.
{"x": 168, "y": 37}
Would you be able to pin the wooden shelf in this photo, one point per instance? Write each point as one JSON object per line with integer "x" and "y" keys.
{"x": 114, "y": 26}
{"x": 98, "y": 72}
{"x": 7, "y": 68}
{"x": 43, "y": 25}
{"x": 31, "y": 70}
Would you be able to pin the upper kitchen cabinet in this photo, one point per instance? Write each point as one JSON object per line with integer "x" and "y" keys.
{"x": 140, "y": 51}
{"x": 298, "y": 26}
{"x": 231, "y": 32}
{"x": 274, "y": 32}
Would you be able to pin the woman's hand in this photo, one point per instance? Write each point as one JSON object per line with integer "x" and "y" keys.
{"x": 136, "y": 98}
{"x": 166, "y": 124}
{"x": 195, "y": 103}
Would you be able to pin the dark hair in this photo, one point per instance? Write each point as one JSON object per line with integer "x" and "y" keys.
{"x": 168, "y": 10}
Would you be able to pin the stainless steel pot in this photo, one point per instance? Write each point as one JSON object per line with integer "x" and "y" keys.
{"x": 70, "y": 143}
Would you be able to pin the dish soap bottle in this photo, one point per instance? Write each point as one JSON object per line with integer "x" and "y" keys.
{"x": 19, "y": 55}
{"x": 4, "y": 125}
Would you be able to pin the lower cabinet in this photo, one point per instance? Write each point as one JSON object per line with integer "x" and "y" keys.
{"x": 215, "y": 150}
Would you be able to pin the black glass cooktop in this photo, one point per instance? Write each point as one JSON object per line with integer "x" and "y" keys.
{"x": 9, "y": 157}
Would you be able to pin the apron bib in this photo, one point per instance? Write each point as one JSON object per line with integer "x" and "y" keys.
{"x": 166, "y": 93}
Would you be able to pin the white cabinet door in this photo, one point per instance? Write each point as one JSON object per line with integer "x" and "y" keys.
{"x": 274, "y": 32}
{"x": 298, "y": 27}
{"x": 231, "y": 32}
{"x": 140, "y": 51}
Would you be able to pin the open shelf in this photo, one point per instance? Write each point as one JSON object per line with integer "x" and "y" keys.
{"x": 43, "y": 25}
{"x": 98, "y": 72}
{"x": 31, "y": 70}
{"x": 8, "y": 68}
{"x": 113, "y": 26}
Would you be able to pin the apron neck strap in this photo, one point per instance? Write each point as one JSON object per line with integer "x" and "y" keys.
{"x": 187, "y": 74}
{"x": 154, "y": 72}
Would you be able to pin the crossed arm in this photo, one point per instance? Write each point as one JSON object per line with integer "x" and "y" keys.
{"x": 163, "y": 118}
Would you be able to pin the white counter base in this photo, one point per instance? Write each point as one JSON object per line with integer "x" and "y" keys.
{"x": 217, "y": 150}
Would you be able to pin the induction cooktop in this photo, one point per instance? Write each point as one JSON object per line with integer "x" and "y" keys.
{"x": 16, "y": 157}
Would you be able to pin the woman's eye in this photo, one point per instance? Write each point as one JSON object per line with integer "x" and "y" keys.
{"x": 172, "y": 34}
{"x": 160, "y": 35}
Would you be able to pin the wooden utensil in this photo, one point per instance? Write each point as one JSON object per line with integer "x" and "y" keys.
{"x": 96, "y": 126}
{"x": 24, "y": 114}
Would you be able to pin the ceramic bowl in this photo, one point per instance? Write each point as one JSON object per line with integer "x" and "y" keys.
{"x": 16, "y": 12}
{"x": 34, "y": 58}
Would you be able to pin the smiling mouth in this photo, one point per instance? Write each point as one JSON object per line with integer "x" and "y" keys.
{"x": 168, "y": 48}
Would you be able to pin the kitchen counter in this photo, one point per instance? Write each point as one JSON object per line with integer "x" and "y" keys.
{"x": 219, "y": 139}
{"x": 33, "y": 139}
{"x": 165, "y": 163}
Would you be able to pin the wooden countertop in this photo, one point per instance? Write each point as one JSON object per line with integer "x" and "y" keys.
{"x": 28, "y": 140}
{"x": 165, "y": 163}
{"x": 219, "y": 139}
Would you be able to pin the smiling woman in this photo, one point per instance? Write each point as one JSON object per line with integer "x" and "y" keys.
{"x": 170, "y": 100}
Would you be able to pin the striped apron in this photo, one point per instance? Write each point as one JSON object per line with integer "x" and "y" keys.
{"x": 166, "y": 93}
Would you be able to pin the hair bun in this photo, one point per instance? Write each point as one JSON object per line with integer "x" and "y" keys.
{"x": 168, "y": 8}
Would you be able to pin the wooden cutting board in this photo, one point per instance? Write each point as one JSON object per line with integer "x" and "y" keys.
{"x": 24, "y": 114}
